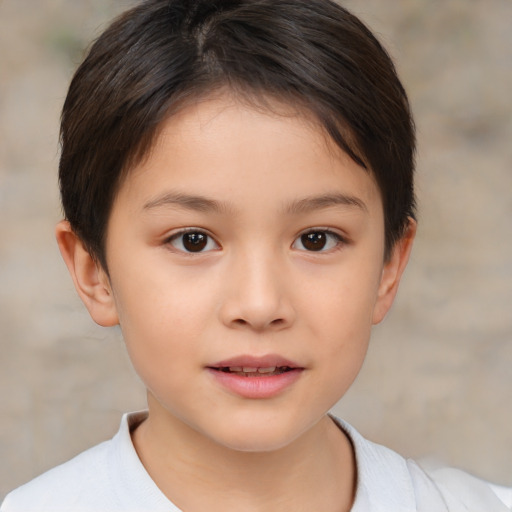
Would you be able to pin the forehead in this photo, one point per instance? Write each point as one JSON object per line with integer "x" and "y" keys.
{"x": 226, "y": 146}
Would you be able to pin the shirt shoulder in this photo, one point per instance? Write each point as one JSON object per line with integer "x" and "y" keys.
{"x": 461, "y": 489}
{"x": 65, "y": 487}
{"x": 108, "y": 477}
{"x": 388, "y": 481}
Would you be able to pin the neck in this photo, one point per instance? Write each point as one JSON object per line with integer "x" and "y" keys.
{"x": 314, "y": 472}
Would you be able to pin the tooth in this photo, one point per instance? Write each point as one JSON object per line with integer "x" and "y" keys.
{"x": 235, "y": 368}
{"x": 270, "y": 369}
{"x": 248, "y": 369}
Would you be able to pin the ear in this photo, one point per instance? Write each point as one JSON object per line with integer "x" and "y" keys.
{"x": 90, "y": 279}
{"x": 392, "y": 272}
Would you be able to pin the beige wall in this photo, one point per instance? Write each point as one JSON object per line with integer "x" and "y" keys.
{"x": 438, "y": 379}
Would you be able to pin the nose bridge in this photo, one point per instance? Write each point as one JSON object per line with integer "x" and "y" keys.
{"x": 257, "y": 296}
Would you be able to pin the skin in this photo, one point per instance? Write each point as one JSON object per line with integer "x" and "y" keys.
{"x": 254, "y": 182}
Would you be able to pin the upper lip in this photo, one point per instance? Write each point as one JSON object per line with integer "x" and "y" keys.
{"x": 249, "y": 361}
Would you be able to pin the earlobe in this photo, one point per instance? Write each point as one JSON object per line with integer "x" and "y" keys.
{"x": 392, "y": 273}
{"x": 90, "y": 279}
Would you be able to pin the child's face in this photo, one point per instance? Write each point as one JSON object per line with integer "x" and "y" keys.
{"x": 247, "y": 240}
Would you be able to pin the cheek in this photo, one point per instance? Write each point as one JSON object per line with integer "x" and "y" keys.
{"x": 342, "y": 300}
{"x": 161, "y": 316}
{"x": 340, "y": 311}
{"x": 161, "y": 341}
{"x": 157, "y": 294}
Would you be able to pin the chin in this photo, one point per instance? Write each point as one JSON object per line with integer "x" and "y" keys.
{"x": 256, "y": 436}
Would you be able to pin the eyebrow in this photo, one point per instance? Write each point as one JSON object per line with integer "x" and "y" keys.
{"x": 320, "y": 202}
{"x": 187, "y": 201}
{"x": 207, "y": 205}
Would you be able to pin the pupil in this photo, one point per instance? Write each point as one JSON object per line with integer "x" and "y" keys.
{"x": 195, "y": 242}
{"x": 314, "y": 241}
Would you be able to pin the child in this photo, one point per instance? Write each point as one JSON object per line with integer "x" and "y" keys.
{"x": 237, "y": 181}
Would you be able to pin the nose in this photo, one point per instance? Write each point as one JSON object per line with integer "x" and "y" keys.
{"x": 256, "y": 295}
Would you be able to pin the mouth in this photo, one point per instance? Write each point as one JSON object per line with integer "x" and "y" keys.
{"x": 256, "y": 377}
{"x": 251, "y": 371}
{"x": 253, "y": 366}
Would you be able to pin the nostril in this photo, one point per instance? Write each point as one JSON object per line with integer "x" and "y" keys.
{"x": 278, "y": 322}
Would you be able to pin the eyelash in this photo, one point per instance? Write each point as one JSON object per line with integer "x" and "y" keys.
{"x": 204, "y": 239}
{"x": 192, "y": 231}
{"x": 339, "y": 240}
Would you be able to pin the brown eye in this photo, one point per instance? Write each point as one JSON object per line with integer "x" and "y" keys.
{"x": 318, "y": 241}
{"x": 314, "y": 241}
{"x": 193, "y": 241}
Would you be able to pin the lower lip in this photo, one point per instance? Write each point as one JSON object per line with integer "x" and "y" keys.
{"x": 256, "y": 387}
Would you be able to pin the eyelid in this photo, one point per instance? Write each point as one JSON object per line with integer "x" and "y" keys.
{"x": 324, "y": 229}
{"x": 183, "y": 231}
{"x": 187, "y": 229}
{"x": 342, "y": 240}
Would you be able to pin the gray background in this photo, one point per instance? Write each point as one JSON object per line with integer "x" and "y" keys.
{"x": 438, "y": 379}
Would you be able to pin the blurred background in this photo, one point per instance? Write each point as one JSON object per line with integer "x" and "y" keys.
{"x": 438, "y": 378}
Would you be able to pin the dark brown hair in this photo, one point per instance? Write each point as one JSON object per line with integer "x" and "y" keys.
{"x": 313, "y": 54}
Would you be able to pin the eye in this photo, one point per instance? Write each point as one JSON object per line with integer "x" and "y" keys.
{"x": 192, "y": 241}
{"x": 318, "y": 240}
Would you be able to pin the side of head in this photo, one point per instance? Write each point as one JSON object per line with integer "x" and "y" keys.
{"x": 166, "y": 54}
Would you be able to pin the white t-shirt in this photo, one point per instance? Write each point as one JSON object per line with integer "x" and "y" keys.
{"x": 111, "y": 478}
